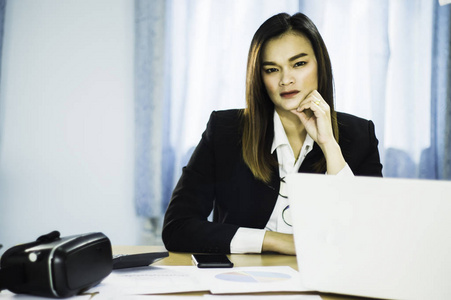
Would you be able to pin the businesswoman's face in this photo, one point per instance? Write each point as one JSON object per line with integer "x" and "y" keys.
{"x": 289, "y": 70}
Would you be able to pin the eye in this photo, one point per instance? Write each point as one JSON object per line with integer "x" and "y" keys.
{"x": 300, "y": 64}
{"x": 270, "y": 70}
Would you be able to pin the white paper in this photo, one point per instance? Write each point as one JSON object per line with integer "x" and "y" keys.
{"x": 211, "y": 297}
{"x": 178, "y": 279}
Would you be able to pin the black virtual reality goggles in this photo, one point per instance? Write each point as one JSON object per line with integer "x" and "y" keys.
{"x": 55, "y": 266}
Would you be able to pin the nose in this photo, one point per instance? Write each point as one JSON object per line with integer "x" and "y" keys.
{"x": 286, "y": 78}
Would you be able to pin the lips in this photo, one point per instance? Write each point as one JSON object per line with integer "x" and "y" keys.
{"x": 289, "y": 94}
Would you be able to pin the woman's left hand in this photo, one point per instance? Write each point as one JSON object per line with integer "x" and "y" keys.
{"x": 314, "y": 113}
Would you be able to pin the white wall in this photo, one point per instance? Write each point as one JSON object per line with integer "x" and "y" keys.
{"x": 66, "y": 120}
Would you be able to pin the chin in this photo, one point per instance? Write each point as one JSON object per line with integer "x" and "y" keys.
{"x": 291, "y": 106}
{"x": 288, "y": 105}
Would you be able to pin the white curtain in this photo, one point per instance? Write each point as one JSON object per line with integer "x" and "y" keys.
{"x": 382, "y": 56}
{"x": 2, "y": 23}
{"x": 190, "y": 59}
{"x": 210, "y": 41}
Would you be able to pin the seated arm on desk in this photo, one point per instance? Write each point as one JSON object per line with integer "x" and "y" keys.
{"x": 279, "y": 242}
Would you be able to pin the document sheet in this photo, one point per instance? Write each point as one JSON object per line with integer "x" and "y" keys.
{"x": 177, "y": 279}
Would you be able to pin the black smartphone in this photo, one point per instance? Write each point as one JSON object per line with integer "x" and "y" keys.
{"x": 212, "y": 261}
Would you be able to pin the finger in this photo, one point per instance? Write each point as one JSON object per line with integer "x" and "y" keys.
{"x": 303, "y": 117}
{"x": 307, "y": 103}
{"x": 320, "y": 100}
{"x": 316, "y": 101}
{"x": 320, "y": 106}
{"x": 318, "y": 111}
{"x": 313, "y": 97}
{"x": 314, "y": 104}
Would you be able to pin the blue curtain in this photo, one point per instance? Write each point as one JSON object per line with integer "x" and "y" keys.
{"x": 437, "y": 163}
{"x": 150, "y": 50}
{"x": 391, "y": 64}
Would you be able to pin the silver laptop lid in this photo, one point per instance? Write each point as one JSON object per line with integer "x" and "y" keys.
{"x": 374, "y": 237}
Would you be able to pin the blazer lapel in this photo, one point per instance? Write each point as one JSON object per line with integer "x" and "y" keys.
{"x": 312, "y": 157}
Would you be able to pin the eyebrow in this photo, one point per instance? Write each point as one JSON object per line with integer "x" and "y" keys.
{"x": 290, "y": 59}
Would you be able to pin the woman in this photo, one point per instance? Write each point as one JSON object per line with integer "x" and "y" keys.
{"x": 289, "y": 125}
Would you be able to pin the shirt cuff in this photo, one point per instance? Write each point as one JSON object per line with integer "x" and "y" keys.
{"x": 247, "y": 240}
{"x": 345, "y": 172}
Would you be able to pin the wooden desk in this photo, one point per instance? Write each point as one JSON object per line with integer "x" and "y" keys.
{"x": 239, "y": 260}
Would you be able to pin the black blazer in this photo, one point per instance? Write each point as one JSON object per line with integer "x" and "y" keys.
{"x": 216, "y": 177}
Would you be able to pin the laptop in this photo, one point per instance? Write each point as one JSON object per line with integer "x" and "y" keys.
{"x": 374, "y": 237}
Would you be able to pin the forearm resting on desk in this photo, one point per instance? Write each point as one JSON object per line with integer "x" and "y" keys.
{"x": 278, "y": 242}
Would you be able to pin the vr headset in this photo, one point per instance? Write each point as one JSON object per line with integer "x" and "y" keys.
{"x": 57, "y": 267}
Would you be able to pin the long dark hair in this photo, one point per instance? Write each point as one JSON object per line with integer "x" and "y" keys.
{"x": 258, "y": 132}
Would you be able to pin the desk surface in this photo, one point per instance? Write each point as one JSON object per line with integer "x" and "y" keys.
{"x": 239, "y": 260}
